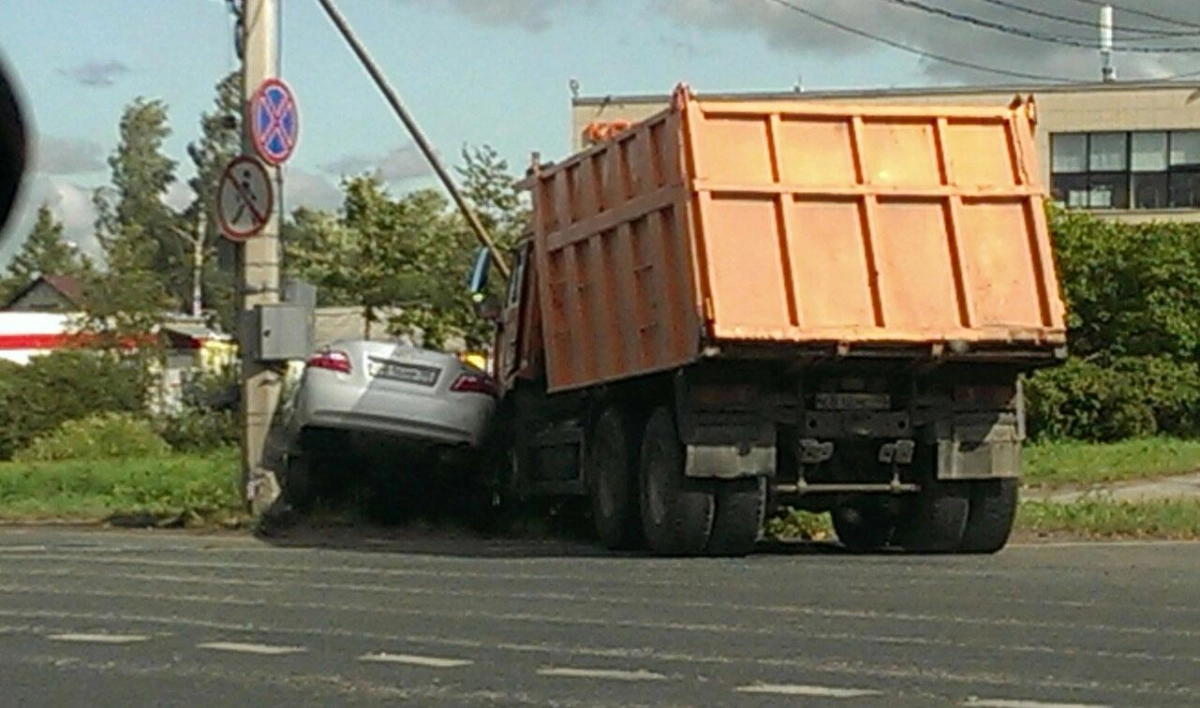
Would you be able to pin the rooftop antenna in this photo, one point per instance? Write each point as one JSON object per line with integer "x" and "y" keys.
{"x": 1107, "y": 71}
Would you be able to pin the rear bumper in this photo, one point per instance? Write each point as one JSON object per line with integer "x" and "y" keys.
{"x": 412, "y": 431}
{"x": 419, "y": 420}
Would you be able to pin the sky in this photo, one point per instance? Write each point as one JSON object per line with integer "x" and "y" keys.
{"x": 497, "y": 72}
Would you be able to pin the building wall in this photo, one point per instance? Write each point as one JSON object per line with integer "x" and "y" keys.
{"x": 1092, "y": 108}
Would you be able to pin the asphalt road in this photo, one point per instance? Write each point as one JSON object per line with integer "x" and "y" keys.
{"x": 122, "y": 619}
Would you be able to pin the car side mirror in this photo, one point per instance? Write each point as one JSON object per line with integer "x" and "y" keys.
{"x": 478, "y": 280}
{"x": 487, "y": 306}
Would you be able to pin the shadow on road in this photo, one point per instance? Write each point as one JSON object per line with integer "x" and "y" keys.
{"x": 450, "y": 539}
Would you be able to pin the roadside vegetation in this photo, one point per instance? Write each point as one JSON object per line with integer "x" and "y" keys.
{"x": 1106, "y": 518}
{"x": 81, "y": 442}
{"x": 168, "y": 489}
{"x": 1073, "y": 463}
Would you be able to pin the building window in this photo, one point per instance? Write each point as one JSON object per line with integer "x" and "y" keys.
{"x": 1126, "y": 170}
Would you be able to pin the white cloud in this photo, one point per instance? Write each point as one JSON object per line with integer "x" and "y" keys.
{"x": 532, "y": 15}
{"x": 397, "y": 165}
{"x": 67, "y": 156}
{"x": 789, "y": 29}
{"x": 302, "y": 188}
{"x": 179, "y": 195}
{"x": 70, "y": 202}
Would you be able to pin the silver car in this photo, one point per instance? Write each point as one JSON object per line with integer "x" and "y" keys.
{"x": 422, "y": 408}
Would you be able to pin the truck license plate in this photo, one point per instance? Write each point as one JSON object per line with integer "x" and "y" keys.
{"x": 853, "y": 401}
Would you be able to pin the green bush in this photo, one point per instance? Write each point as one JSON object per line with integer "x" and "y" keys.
{"x": 1125, "y": 398}
{"x": 105, "y": 436}
{"x": 1133, "y": 303}
{"x": 37, "y": 398}
{"x": 201, "y": 430}
{"x": 1131, "y": 290}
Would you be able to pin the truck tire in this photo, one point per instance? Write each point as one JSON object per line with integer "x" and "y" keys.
{"x": 863, "y": 526}
{"x": 935, "y": 520}
{"x": 611, "y": 474}
{"x": 741, "y": 505}
{"x": 990, "y": 520}
{"x": 677, "y": 512}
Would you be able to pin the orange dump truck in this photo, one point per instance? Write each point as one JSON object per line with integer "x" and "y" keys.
{"x": 732, "y": 306}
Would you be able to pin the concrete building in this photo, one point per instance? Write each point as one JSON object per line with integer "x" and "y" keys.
{"x": 1127, "y": 150}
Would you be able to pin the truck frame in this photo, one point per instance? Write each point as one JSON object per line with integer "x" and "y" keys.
{"x": 731, "y": 307}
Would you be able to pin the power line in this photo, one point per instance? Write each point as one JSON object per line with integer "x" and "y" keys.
{"x": 1091, "y": 24}
{"x": 918, "y": 52}
{"x": 1141, "y": 13}
{"x": 1027, "y": 34}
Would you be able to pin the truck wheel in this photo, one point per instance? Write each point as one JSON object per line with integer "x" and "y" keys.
{"x": 863, "y": 526}
{"x": 677, "y": 512}
{"x": 990, "y": 520}
{"x": 935, "y": 520}
{"x": 612, "y": 482}
{"x": 741, "y": 505}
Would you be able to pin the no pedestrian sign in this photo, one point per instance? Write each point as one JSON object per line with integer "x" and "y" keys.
{"x": 245, "y": 198}
{"x": 274, "y": 122}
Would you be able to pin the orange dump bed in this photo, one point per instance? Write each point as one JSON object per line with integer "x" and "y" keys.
{"x": 791, "y": 223}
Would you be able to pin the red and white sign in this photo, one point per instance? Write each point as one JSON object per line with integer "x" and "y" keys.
{"x": 245, "y": 198}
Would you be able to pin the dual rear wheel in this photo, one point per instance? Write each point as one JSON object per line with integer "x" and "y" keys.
{"x": 947, "y": 517}
{"x": 641, "y": 494}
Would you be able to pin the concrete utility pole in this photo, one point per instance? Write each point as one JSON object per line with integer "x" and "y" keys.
{"x": 258, "y": 265}
{"x": 393, "y": 99}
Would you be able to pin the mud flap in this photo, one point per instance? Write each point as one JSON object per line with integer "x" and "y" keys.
{"x": 729, "y": 461}
{"x": 979, "y": 447}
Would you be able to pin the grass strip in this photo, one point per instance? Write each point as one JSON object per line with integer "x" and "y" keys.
{"x": 1081, "y": 464}
{"x": 1102, "y": 518}
{"x": 196, "y": 486}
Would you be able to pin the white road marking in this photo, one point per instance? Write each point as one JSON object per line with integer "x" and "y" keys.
{"x": 610, "y": 674}
{"x": 23, "y": 549}
{"x": 264, "y": 649}
{"x": 414, "y": 660}
{"x": 788, "y": 689}
{"x": 100, "y": 638}
{"x": 1006, "y": 703}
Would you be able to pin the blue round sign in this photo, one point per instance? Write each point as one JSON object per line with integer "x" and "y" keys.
{"x": 274, "y": 123}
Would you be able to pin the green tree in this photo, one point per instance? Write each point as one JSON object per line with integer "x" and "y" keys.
{"x": 1131, "y": 290}
{"x": 364, "y": 256}
{"x": 139, "y": 233}
{"x": 45, "y": 251}
{"x": 411, "y": 253}
{"x": 141, "y": 176}
{"x": 444, "y": 308}
{"x": 219, "y": 142}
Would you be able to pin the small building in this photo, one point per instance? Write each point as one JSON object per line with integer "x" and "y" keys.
{"x": 47, "y": 293}
{"x": 1128, "y": 150}
{"x": 47, "y": 315}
